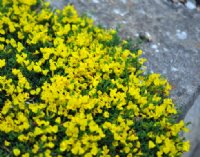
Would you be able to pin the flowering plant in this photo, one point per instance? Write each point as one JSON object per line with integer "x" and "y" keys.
{"x": 70, "y": 88}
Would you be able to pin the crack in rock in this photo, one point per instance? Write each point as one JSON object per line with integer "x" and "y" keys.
{"x": 189, "y": 104}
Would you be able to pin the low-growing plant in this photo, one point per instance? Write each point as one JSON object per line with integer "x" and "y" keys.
{"x": 70, "y": 88}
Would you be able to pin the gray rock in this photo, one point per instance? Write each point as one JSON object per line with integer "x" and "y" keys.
{"x": 193, "y": 116}
{"x": 145, "y": 36}
{"x": 190, "y": 5}
{"x": 58, "y": 4}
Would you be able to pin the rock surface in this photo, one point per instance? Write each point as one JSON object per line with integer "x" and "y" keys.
{"x": 174, "y": 49}
{"x": 194, "y": 134}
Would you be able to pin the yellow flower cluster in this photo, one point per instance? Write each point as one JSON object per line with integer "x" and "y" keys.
{"x": 70, "y": 88}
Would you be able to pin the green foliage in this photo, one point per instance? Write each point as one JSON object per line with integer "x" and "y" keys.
{"x": 70, "y": 88}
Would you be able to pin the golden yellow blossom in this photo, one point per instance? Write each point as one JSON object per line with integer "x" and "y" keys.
{"x": 2, "y": 63}
{"x": 16, "y": 152}
{"x": 151, "y": 144}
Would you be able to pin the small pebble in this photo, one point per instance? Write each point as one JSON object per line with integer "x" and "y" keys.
{"x": 174, "y": 69}
{"x": 145, "y": 36}
{"x": 154, "y": 46}
{"x": 190, "y": 5}
{"x": 117, "y": 11}
{"x": 181, "y": 35}
{"x": 95, "y": 1}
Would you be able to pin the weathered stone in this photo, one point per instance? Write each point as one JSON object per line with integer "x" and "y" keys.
{"x": 193, "y": 116}
{"x": 190, "y": 5}
{"x": 58, "y": 4}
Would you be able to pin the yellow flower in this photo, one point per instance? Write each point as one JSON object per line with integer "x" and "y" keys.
{"x": 20, "y": 47}
{"x": 16, "y": 152}
{"x": 30, "y": 2}
{"x": 186, "y": 146}
{"x": 58, "y": 120}
{"x": 2, "y": 63}
{"x": 106, "y": 114}
{"x": 53, "y": 129}
{"x": 159, "y": 154}
{"x": 63, "y": 145}
{"x": 1, "y": 47}
{"x": 158, "y": 140}
{"x": 20, "y": 35}
{"x": 50, "y": 144}
{"x": 22, "y": 137}
{"x": 43, "y": 138}
{"x": 105, "y": 150}
{"x": 94, "y": 150}
{"x": 47, "y": 153}
{"x": 151, "y": 145}
{"x": 2, "y": 31}
{"x": 38, "y": 131}
{"x": 35, "y": 148}
{"x": 139, "y": 52}
{"x": 6, "y": 143}
{"x": 127, "y": 149}
{"x": 26, "y": 155}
